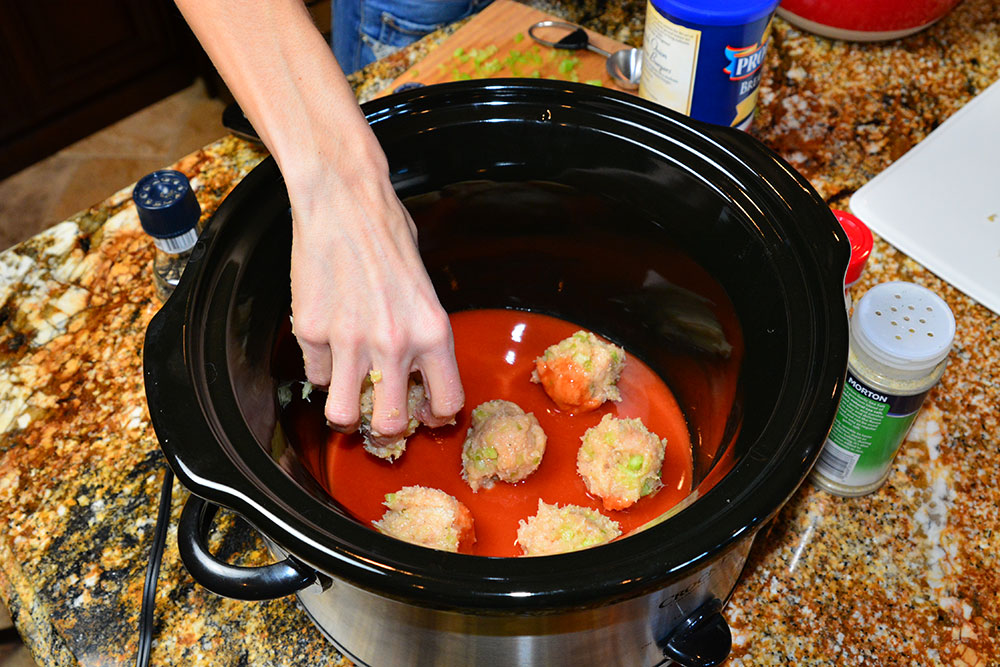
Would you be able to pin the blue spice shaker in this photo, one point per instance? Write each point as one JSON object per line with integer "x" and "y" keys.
{"x": 169, "y": 212}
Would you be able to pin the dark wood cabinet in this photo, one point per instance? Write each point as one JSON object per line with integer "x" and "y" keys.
{"x": 71, "y": 67}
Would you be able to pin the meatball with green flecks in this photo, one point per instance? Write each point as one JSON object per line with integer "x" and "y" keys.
{"x": 503, "y": 444}
{"x": 581, "y": 372}
{"x": 556, "y": 530}
{"x": 428, "y": 517}
{"x": 620, "y": 461}
{"x": 417, "y": 408}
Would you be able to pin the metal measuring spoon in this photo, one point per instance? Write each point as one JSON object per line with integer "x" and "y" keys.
{"x": 624, "y": 66}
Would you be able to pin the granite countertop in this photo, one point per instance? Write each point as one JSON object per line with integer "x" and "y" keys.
{"x": 906, "y": 575}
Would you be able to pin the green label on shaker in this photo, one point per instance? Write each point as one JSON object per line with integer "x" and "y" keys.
{"x": 866, "y": 434}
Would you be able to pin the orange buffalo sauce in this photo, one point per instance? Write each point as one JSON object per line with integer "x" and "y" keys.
{"x": 566, "y": 379}
{"x": 496, "y": 352}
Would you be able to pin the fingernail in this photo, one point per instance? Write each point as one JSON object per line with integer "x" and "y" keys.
{"x": 341, "y": 428}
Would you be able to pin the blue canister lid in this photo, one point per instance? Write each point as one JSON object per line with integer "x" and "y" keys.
{"x": 716, "y": 12}
{"x": 166, "y": 204}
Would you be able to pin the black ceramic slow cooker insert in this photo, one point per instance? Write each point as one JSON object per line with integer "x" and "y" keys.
{"x": 735, "y": 207}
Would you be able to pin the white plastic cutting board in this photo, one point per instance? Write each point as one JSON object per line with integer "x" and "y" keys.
{"x": 940, "y": 202}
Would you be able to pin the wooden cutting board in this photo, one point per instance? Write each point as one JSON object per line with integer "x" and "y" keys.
{"x": 495, "y": 43}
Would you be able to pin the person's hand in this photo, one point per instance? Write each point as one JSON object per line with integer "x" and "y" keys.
{"x": 361, "y": 298}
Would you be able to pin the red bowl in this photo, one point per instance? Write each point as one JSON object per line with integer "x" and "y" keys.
{"x": 864, "y": 20}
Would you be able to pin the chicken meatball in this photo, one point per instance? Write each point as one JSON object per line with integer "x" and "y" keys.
{"x": 620, "y": 461}
{"x": 503, "y": 444}
{"x": 417, "y": 408}
{"x": 428, "y": 517}
{"x": 556, "y": 530}
{"x": 579, "y": 373}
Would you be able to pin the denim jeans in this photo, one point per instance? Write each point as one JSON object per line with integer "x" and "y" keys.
{"x": 366, "y": 30}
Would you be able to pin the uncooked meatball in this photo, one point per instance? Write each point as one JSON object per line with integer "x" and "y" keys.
{"x": 620, "y": 461}
{"x": 579, "y": 373}
{"x": 417, "y": 406}
{"x": 428, "y": 517}
{"x": 502, "y": 444}
{"x": 556, "y": 530}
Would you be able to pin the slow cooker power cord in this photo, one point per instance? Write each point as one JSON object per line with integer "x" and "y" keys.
{"x": 153, "y": 571}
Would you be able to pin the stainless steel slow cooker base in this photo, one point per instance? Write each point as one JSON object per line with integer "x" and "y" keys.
{"x": 371, "y": 629}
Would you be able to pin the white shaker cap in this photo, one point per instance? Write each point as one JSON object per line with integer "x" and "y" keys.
{"x": 903, "y": 325}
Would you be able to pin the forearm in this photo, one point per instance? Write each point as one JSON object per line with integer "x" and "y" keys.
{"x": 285, "y": 78}
{"x": 284, "y": 75}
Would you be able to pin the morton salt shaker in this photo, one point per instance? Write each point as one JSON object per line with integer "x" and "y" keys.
{"x": 169, "y": 213}
{"x": 901, "y": 334}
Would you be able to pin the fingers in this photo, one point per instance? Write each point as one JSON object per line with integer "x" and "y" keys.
{"x": 342, "y": 404}
{"x": 436, "y": 361}
{"x": 346, "y": 354}
{"x": 316, "y": 362}
{"x": 340, "y": 372}
{"x": 341, "y": 362}
{"x": 443, "y": 387}
{"x": 344, "y": 375}
{"x": 390, "y": 415}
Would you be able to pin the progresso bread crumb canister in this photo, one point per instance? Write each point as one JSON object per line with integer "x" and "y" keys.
{"x": 703, "y": 58}
{"x": 901, "y": 334}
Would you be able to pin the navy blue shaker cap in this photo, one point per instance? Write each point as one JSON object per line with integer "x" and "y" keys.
{"x": 166, "y": 204}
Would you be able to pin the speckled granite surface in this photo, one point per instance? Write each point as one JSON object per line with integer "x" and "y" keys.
{"x": 907, "y": 575}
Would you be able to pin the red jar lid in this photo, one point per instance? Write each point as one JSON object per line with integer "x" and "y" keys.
{"x": 861, "y": 244}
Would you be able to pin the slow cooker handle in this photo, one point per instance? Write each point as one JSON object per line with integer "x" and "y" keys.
{"x": 702, "y": 639}
{"x": 243, "y": 583}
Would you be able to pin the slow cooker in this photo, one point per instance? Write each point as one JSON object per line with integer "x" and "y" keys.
{"x": 662, "y": 181}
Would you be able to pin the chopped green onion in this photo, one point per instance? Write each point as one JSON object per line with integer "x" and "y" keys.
{"x": 284, "y": 395}
{"x": 567, "y": 65}
{"x": 492, "y": 66}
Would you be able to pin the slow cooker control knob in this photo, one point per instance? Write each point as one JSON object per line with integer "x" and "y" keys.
{"x": 700, "y": 640}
